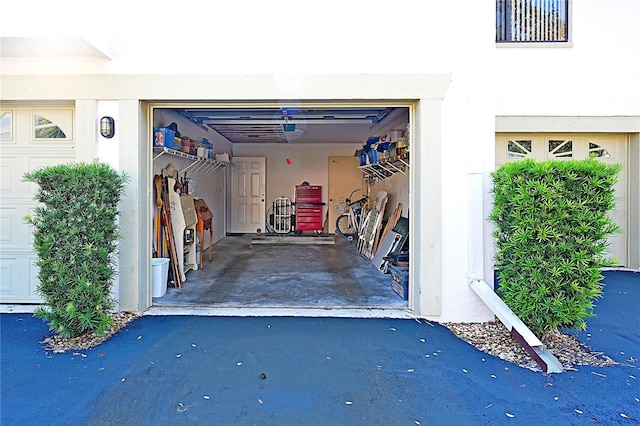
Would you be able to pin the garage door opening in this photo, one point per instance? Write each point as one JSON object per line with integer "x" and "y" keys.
{"x": 258, "y": 190}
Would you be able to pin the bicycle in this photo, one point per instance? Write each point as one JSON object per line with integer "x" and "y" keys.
{"x": 348, "y": 224}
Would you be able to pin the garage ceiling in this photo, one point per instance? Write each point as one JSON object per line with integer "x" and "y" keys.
{"x": 293, "y": 125}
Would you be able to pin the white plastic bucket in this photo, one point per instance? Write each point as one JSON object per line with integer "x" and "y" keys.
{"x": 159, "y": 272}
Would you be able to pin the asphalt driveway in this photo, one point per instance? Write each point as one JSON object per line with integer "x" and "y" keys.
{"x": 188, "y": 370}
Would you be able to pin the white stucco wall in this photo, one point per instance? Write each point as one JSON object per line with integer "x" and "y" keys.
{"x": 256, "y": 36}
{"x": 598, "y": 74}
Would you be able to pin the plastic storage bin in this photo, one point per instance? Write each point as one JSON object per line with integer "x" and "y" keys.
{"x": 163, "y": 137}
{"x": 159, "y": 274}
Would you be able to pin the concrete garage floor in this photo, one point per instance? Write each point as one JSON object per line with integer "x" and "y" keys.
{"x": 304, "y": 272}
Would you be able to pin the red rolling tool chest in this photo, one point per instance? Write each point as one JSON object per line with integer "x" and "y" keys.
{"x": 308, "y": 208}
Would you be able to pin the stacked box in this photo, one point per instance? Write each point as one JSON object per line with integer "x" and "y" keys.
{"x": 400, "y": 280}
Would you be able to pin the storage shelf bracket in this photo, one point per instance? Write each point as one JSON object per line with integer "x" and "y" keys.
{"x": 385, "y": 168}
{"x": 199, "y": 164}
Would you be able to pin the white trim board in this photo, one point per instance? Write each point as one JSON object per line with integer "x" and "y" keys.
{"x": 567, "y": 124}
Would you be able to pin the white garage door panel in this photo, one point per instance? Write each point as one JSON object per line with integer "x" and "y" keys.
{"x": 39, "y": 137}
{"x": 15, "y": 232}
{"x": 8, "y": 272}
{"x": 19, "y": 279}
{"x": 7, "y": 179}
{"x": 615, "y": 153}
{"x": 14, "y": 167}
{"x": 608, "y": 148}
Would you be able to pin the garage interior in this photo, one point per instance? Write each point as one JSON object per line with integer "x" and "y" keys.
{"x": 269, "y": 246}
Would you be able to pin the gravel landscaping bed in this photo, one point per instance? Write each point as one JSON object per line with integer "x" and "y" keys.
{"x": 58, "y": 344}
{"x": 493, "y": 338}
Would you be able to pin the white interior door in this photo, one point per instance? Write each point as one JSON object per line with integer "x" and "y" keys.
{"x": 344, "y": 177}
{"x": 248, "y": 195}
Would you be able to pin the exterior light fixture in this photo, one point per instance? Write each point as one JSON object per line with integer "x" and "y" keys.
{"x": 107, "y": 127}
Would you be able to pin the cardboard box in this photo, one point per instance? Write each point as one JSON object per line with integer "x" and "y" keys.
{"x": 223, "y": 157}
{"x": 400, "y": 280}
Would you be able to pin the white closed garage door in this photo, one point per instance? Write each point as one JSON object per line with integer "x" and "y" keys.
{"x": 30, "y": 137}
{"x": 609, "y": 148}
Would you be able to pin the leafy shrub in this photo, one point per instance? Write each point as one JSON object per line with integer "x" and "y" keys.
{"x": 75, "y": 237}
{"x": 551, "y": 229}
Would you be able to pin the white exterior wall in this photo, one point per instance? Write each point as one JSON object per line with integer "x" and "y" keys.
{"x": 369, "y": 50}
{"x": 598, "y": 74}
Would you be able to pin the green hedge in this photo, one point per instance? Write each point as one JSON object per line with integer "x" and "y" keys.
{"x": 551, "y": 223}
{"x": 75, "y": 233}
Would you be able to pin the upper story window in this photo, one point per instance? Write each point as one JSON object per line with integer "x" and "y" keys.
{"x": 527, "y": 21}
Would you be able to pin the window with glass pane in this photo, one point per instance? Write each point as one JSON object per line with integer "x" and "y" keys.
{"x": 6, "y": 126}
{"x": 45, "y": 129}
{"x": 596, "y": 150}
{"x": 526, "y": 21}
{"x": 561, "y": 148}
{"x": 518, "y": 148}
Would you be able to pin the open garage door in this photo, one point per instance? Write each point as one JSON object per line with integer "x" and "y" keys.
{"x": 295, "y": 146}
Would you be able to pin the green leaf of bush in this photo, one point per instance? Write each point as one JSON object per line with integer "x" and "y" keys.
{"x": 75, "y": 237}
{"x": 551, "y": 223}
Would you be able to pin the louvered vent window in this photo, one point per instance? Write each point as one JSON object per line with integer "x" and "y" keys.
{"x": 527, "y": 21}
{"x": 560, "y": 148}
{"x": 518, "y": 148}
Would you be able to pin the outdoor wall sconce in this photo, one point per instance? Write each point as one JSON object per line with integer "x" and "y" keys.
{"x": 107, "y": 127}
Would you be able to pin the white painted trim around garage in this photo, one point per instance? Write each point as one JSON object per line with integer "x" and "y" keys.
{"x": 566, "y": 124}
{"x": 259, "y": 87}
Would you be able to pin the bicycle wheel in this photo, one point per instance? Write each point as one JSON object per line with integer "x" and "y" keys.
{"x": 344, "y": 226}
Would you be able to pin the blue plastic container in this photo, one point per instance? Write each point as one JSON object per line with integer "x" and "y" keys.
{"x": 163, "y": 137}
{"x": 363, "y": 158}
{"x": 373, "y": 156}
